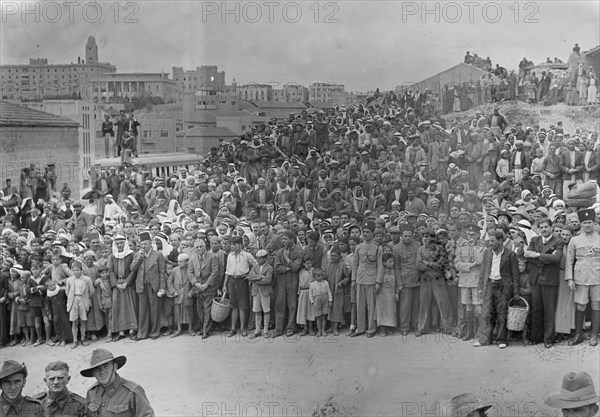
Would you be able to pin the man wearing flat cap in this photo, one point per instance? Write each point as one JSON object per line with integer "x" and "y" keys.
{"x": 577, "y": 397}
{"x": 581, "y": 274}
{"x": 367, "y": 277}
{"x": 58, "y": 400}
{"x": 111, "y": 394}
{"x": 13, "y": 376}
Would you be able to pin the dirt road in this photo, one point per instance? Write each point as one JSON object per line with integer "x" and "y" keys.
{"x": 341, "y": 376}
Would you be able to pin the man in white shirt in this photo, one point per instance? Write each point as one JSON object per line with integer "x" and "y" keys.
{"x": 239, "y": 264}
{"x": 499, "y": 282}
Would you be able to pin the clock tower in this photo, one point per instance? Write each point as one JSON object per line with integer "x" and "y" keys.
{"x": 91, "y": 51}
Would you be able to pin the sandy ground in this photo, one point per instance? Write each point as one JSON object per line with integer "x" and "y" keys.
{"x": 333, "y": 376}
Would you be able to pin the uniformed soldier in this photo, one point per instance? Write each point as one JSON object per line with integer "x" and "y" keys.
{"x": 58, "y": 400}
{"x": 582, "y": 273}
{"x": 112, "y": 395}
{"x": 367, "y": 276}
{"x": 13, "y": 376}
{"x": 469, "y": 256}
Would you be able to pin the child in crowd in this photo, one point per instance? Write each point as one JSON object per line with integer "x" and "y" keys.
{"x": 352, "y": 243}
{"x": 95, "y": 321}
{"x": 305, "y": 315}
{"x": 37, "y": 291}
{"x": 104, "y": 289}
{"x": 79, "y": 289}
{"x": 386, "y": 297}
{"x": 320, "y": 298}
{"x": 538, "y": 163}
{"x": 58, "y": 271}
{"x": 25, "y": 319}
{"x": 56, "y": 304}
{"x": 168, "y": 304}
{"x": 260, "y": 278}
{"x": 335, "y": 271}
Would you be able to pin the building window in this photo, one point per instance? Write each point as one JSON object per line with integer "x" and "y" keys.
{"x": 146, "y": 133}
{"x": 164, "y": 133}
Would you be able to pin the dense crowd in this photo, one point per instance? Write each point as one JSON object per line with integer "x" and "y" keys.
{"x": 370, "y": 218}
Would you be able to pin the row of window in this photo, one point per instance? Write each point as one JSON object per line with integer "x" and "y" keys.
{"x": 25, "y": 70}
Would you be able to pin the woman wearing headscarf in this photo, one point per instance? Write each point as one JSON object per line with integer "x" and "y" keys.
{"x": 125, "y": 302}
{"x": 324, "y": 203}
{"x": 339, "y": 283}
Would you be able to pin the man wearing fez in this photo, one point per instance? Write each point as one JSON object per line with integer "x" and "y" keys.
{"x": 58, "y": 400}
{"x": 111, "y": 394}
{"x": 583, "y": 276}
{"x": 13, "y": 376}
{"x": 150, "y": 284}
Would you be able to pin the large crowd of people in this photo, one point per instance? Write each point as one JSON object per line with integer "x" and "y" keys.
{"x": 366, "y": 220}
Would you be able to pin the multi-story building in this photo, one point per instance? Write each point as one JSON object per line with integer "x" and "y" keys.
{"x": 156, "y": 133}
{"x": 206, "y": 77}
{"x": 255, "y": 92}
{"x": 39, "y": 80}
{"x": 324, "y": 92}
{"x": 81, "y": 112}
{"x": 124, "y": 87}
{"x": 291, "y": 93}
{"x": 34, "y": 141}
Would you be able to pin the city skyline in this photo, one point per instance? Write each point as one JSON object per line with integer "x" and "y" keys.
{"x": 341, "y": 42}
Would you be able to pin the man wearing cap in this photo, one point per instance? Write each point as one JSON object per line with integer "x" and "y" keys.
{"x": 582, "y": 275}
{"x": 577, "y": 397}
{"x": 469, "y": 256}
{"x": 239, "y": 264}
{"x": 405, "y": 262}
{"x": 13, "y": 376}
{"x": 288, "y": 261}
{"x": 498, "y": 283}
{"x": 367, "y": 277}
{"x": 111, "y": 394}
{"x": 148, "y": 265}
{"x": 543, "y": 260}
{"x": 58, "y": 400}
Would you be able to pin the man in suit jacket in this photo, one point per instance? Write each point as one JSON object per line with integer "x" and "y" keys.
{"x": 149, "y": 267}
{"x": 203, "y": 270}
{"x": 260, "y": 197}
{"x": 543, "y": 259}
{"x": 498, "y": 282}
{"x": 572, "y": 165}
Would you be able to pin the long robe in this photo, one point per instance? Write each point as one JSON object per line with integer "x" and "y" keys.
{"x": 95, "y": 319}
{"x": 475, "y": 152}
{"x": 125, "y": 302}
{"x": 335, "y": 273}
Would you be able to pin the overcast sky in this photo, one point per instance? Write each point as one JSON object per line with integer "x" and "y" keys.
{"x": 361, "y": 44}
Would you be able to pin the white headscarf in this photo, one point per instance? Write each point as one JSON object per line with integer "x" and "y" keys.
{"x": 126, "y": 250}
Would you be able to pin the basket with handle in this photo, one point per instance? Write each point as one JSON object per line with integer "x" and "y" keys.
{"x": 220, "y": 308}
{"x": 515, "y": 320}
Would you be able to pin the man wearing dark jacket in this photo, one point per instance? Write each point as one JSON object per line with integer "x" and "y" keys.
{"x": 498, "y": 282}
{"x": 543, "y": 260}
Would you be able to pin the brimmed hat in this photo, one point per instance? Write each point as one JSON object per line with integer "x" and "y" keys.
{"x": 464, "y": 405}
{"x": 576, "y": 391}
{"x": 100, "y": 357}
{"x": 12, "y": 367}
